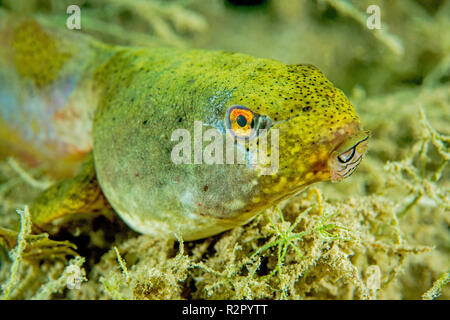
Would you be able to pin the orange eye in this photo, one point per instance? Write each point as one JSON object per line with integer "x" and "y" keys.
{"x": 240, "y": 121}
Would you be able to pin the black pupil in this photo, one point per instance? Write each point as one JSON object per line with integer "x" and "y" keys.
{"x": 241, "y": 120}
{"x": 346, "y": 158}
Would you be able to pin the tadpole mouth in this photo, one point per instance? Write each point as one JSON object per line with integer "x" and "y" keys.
{"x": 345, "y": 159}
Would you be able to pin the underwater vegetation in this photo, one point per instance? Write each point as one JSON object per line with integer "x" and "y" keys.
{"x": 381, "y": 234}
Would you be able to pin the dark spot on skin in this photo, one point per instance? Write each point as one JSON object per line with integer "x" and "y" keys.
{"x": 305, "y": 109}
{"x": 205, "y": 188}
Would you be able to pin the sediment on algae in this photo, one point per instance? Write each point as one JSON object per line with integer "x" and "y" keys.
{"x": 381, "y": 234}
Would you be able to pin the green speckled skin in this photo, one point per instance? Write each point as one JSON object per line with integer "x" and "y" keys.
{"x": 141, "y": 96}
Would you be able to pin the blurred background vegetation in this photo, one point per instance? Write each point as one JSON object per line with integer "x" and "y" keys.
{"x": 331, "y": 34}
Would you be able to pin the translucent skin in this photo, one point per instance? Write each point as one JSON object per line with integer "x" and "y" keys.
{"x": 46, "y": 98}
{"x": 140, "y": 96}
